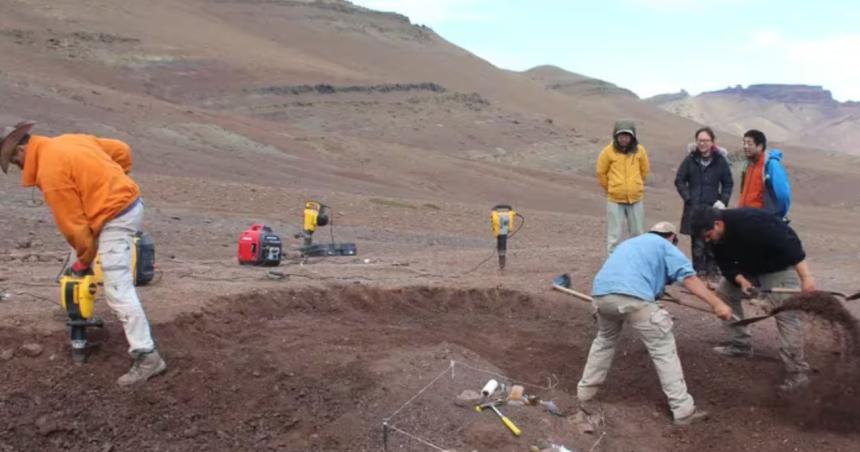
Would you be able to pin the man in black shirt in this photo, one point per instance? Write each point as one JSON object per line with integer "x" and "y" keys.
{"x": 755, "y": 249}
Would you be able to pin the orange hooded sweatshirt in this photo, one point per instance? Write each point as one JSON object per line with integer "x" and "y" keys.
{"x": 83, "y": 183}
{"x": 118, "y": 151}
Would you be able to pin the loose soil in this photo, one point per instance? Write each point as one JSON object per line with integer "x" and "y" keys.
{"x": 833, "y": 399}
{"x": 320, "y": 368}
{"x": 828, "y": 313}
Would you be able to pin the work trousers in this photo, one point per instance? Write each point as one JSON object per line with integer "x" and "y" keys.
{"x": 115, "y": 252}
{"x": 617, "y": 215}
{"x": 789, "y": 324}
{"x": 654, "y": 326}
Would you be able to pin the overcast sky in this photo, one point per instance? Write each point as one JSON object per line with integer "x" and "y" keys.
{"x": 658, "y": 46}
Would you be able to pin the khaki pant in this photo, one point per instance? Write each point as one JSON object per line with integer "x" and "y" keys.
{"x": 115, "y": 247}
{"x": 654, "y": 326}
{"x": 616, "y": 217}
{"x": 789, "y": 324}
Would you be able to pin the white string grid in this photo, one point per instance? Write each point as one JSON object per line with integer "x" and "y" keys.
{"x": 387, "y": 424}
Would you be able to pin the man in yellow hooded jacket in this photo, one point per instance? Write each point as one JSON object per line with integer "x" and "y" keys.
{"x": 98, "y": 208}
{"x": 621, "y": 170}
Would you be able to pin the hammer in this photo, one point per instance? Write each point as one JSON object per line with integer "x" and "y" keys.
{"x": 508, "y": 423}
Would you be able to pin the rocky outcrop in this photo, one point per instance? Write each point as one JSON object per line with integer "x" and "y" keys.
{"x": 557, "y": 79}
{"x": 322, "y": 88}
{"x": 800, "y": 94}
{"x": 666, "y": 98}
{"x": 591, "y": 87}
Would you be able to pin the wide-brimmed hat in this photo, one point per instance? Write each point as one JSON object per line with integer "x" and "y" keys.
{"x": 9, "y": 139}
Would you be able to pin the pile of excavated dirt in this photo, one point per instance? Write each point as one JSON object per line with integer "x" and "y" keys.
{"x": 826, "y": 311}
{"x": 832, "y": 401}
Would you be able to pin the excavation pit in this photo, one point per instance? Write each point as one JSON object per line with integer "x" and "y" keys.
{"x": 321, "y": 368}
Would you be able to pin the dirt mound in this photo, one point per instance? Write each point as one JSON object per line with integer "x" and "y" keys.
{"x": 832, "y": 400}
{"x": 824, "y": 307}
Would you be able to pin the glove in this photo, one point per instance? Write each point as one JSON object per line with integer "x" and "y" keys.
{"x": 79, "y": 269}
{"x": 719, "y": 205}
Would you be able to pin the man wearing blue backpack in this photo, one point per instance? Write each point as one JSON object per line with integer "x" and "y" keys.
{"x": 764, "y": 182}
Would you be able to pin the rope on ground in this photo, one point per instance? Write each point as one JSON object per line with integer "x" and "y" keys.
{"x": 550, "y": 383}
{"x": 421, "y": 391}
{"x": 37, "y": 297}
{"x": 594, "y": 446}
{"x": 421, "y": 440}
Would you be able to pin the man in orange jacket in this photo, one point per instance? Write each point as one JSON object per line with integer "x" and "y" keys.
{"x": 98, "y": 209}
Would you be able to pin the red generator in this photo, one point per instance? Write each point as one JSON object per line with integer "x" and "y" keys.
{"x": 258, "y": 245}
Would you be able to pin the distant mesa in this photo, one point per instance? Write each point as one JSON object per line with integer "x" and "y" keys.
{"x": 797, "y": 114}
{"x": 798, "y": 94}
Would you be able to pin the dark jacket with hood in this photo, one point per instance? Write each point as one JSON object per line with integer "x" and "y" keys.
{"x": 756, "y": 243}
{"x": 703, "y": 185}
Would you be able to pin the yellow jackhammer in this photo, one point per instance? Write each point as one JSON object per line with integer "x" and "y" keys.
{"x": 77, "y": 296}
{"x": 502, "y": 218}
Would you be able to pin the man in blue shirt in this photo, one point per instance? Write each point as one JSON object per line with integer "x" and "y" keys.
{"x": 626, "y": 290}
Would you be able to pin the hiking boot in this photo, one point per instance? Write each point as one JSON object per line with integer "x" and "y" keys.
{"x": 794, "y": 382}
{"x": 146, "y": 366}
{"x": 589, "y": 406}
{"x": 733, "y": 351}
{"x": 696, "y": 416}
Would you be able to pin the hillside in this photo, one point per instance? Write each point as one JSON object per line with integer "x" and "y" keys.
{"x": 322, "y": 94}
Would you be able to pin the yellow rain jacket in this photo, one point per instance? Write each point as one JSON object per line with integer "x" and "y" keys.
{"x": 622, "y": 175}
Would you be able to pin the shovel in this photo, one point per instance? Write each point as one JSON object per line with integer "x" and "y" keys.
{"x": 789, "y": 290}
{"x": 561, "y": 283}
{"x": 755, "y": 319}
{"x": 792, "y": 290}
{"x": 749, "y": 320}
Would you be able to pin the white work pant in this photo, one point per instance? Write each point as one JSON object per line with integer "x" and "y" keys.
{"x": 617, "y": 215}
{"x": 654, "y": 326}
{"x": 115, "y": 247}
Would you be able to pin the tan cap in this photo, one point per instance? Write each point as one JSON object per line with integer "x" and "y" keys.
{"x": 9, "y": 139}
{"x": 663, "y": 227}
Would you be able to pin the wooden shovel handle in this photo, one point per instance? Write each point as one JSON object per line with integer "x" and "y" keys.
{"x": 576, "y": 294}
{"x": 687, "y": 303}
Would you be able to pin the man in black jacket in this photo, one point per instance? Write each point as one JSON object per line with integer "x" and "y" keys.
{"x": 756, "y": 249}
{"x": 704, "y": 179}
